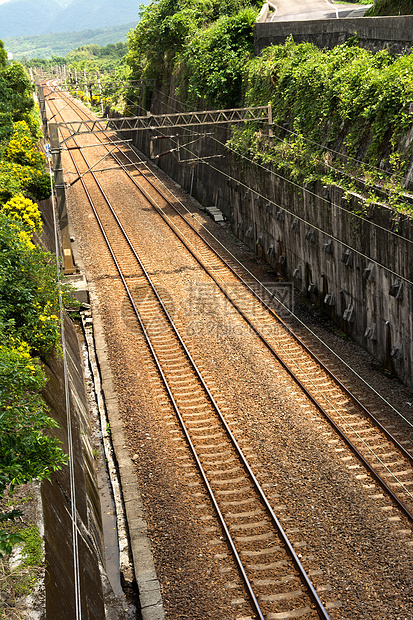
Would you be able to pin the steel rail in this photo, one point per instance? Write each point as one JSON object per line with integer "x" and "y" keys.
{"x": 281, "y": 322}
{"x": 303, "y": 575}
{"x": 354, "y": 399}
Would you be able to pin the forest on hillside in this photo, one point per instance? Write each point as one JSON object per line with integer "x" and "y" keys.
{"x": 59, "y": 44}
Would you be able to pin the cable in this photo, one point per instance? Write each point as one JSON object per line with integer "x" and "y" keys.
{"x": 296, "y": 216}
{"x": 323, "y": 146}
{"x": 330, "y": 167}
{"x": 290, "y": 312}
{"x": 326, "y": 148}
{"x": 73, "y": 511}
{"x": 301, "y": 187}
{"x": 286, "y": 308}
{"x": 287, "y": 180}
{"x": 299, "y": 369}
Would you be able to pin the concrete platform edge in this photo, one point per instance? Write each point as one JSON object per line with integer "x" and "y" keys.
{"x": 144, "y": 567}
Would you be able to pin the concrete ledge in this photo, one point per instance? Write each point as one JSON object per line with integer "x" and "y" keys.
{"x": 375, "y": 33}
{"x": 144, "y": 567}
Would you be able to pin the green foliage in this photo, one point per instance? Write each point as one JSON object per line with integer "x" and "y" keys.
{"x": 19, "y": 91}
{"x": 25, "y": 210}
{"x": 28, "y": 327}
{"x": 9, "y": 539}
{"x": 184, "y": 36}
{"x": 28, "y": 292}
{"x": 29, "y": 302}
{"x": 26, "y": 451}
{"x": 32, "y": 547}
{"x": 346, "y": 99}
{"x": 3, "y": 55}
{"x": 16, "y": 101}
{"x": 215, "y": 58}
{"x": 17, "y": 179}
{"x": 96, "y": 57}
{"x": 21, "y": 579}
{"x": 390, "y": 7}
{"x": 22, "y": 147}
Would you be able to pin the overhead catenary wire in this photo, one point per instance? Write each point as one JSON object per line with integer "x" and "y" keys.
{"x": 309, "y": 191}
{"x": 302, "y": 187}
{"x": 286, "y": 308}
{"x": 370, "y": 449}
{"x": 323, "y": 146}
{"x": 295, "y": 215}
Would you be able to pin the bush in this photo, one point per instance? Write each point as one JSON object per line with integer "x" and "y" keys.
{"x": 214, "y": 60}
{"x": 22, "y": 147}
{"x": 17, "y": 179}
{"x": 29, "y": 298}
{"x": 26, "y": 452}
{"x": 328, "y": 103}
{"x": 23, "y": 209}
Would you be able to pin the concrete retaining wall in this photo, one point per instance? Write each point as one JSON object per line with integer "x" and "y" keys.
{"x": 375, "y": 33}
{"x": 349, "y": 266}
{"x": 56, "y": 493}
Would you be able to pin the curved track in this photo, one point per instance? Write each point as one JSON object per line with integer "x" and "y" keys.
{"x": 253, "y": 531}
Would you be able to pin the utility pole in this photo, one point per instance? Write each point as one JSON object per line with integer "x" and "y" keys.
{"x": 55, "y": 149}
{"x": 100, "y": 93}
{"x": 87, "y": 95}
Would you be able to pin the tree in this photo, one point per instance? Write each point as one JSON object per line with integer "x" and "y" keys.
{"x": 3, "y": 55}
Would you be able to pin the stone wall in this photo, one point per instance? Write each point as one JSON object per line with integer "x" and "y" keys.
{"x": 375, "y": 33}
{"x": 352, "y": 267}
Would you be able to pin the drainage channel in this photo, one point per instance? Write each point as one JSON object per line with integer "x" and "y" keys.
{"x": 118, "y": 564}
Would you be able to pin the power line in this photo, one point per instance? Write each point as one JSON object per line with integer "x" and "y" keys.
{"x": 296, "y": 216}
{"x": 301, "y": 187}
{"x": 286, "y": 308}
{"x": 323, "y": 146}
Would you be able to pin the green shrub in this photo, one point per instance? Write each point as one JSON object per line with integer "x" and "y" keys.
{"x": 18, "y": 179}
{"x": 23, "y": 209}
{"x": 213, "y": 62}
{"x": 29, "y": 299}
{"x": 26, "y": 451}
{"x": 328, "y": 104}
{"x": 22, "y": 147}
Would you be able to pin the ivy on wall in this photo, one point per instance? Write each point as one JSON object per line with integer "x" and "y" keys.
{"x": 340, "y": 115}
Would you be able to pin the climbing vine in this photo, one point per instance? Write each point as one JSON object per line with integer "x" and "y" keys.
{"x": 340, "y": 115}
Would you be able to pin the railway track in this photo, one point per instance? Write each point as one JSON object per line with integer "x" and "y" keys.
{"x": 253, "y": 532}
{"x": 386, "y": 457}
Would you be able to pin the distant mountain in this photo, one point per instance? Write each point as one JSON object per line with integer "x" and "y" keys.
{"x": 26, "y": 17}
{"x": 36, "y": 17}
{"x": 81, "y": 14}
{"x": 59, "y": 44}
